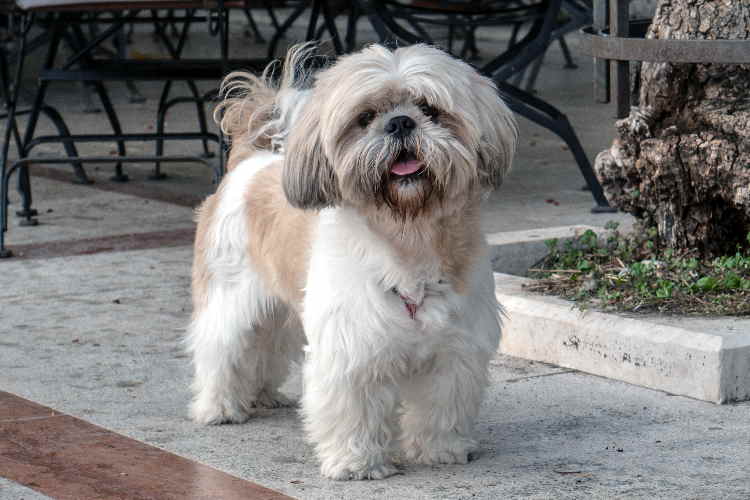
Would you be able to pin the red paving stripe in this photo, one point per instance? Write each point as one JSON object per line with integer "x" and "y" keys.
{"x": 117, "y": 243}
{"x": 68, "y": 458}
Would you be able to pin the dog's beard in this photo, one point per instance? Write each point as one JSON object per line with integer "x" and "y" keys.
{"x": 395, "y": 174}
{"x": 407, "y": 195}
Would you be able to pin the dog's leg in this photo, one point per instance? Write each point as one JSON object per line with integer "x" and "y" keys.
{"x": 349, "y": 420}
{"x": 440, "y": 407}
{"x": 441, "y": 403}
{"x": 281, "y": 344}
{"x": 228, "y": 354}
{"x": 239, "y": 338}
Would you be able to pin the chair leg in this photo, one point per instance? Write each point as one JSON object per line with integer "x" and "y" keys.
{"x": 4, "y": 252}
{"x": 11, "y": 127}
{"x": 569, "y": 62}
{"x": 70, "y": 147}
{"x": 536, "y": 66}
{"x": 252, "y": 27}
{"x": 470, "y": 51}
{"x": 567, "y": 133}
{"x": 121, "y": 41}
{"x": 272, "y": 15}
{"x": 78, "y": 39}
{"x": 329, "y": 20}
{"x": 24, "y": 181}
{"x": 281, "y": 31}
{"x": 5, "y": 86}
{"x": 58, "y": 122}
{"x": 313, "y": 22}
{"x": 161, "y": 113}
{"x": 114, "y": 122}
{"x": 164, "y": 97}
{"x": 549, "y": 117}
{"x": 202, "y": 122}
{"x": 523, "y": 52}
{"x": 351, "y": 27}
{"x": 87, "y": 96}
{"x": 315, "y": 32}
{"x": 27, "y": 213}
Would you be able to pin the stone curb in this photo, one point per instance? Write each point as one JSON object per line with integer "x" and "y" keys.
{"x": 703, "y": 358}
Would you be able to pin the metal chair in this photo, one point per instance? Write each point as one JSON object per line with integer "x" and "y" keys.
{"x": 62, "y": 22}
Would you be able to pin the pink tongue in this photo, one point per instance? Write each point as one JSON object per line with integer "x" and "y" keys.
{"x": 406, "y": 167}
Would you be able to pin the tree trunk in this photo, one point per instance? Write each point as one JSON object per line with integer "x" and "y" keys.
{"x": 681, "y": 160}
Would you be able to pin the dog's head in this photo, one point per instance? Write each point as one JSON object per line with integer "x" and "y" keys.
{"x": 406, "y": 129}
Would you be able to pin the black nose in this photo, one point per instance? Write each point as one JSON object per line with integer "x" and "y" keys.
{"x": 400, "y": 126}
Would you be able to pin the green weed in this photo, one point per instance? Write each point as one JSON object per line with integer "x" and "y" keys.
{"x": 629, "y": 272}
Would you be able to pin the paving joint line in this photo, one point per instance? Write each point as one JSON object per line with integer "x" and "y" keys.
{"x": 520, "y": 379}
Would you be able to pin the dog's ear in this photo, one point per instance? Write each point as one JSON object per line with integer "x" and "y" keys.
{"x": 499, "y": 133}
{"x": 308, "y": 176}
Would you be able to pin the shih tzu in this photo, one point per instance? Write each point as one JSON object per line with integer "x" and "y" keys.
{"x": 346, "y": 235}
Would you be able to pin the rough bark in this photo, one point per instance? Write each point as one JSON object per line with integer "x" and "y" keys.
{"x": 681, "y": 160}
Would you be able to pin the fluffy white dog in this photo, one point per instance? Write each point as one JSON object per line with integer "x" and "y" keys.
{"x": 348, "y": 228}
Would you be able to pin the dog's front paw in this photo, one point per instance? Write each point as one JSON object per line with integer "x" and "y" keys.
{"x": 212, "y": 413}
{"x": 452, "y": 449}
{"x": 268, "y": 398}
{"x": 347, "y": 473}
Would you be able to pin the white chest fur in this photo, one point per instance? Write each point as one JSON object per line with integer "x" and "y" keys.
{"x": 359, "y": 293}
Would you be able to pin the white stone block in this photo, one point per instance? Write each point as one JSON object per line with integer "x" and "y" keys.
{"x": 703, "y": 358}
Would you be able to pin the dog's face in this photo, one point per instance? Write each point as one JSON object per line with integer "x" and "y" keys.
{"x": 407, "y": 129}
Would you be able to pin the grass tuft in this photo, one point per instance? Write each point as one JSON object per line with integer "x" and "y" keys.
{"x": 618, "y": 272}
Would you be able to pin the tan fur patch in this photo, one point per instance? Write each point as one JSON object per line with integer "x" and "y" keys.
{"x": 245, "y": 113}
{"x": 280, "y": 236}
{"x": 241, "y": 150}
{"x": 458, "y": 245}
{"x": 450, "y": 234}
{"x": 204, "y": 217}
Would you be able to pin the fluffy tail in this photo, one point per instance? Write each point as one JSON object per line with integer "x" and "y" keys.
{"x": 256, "y": 112}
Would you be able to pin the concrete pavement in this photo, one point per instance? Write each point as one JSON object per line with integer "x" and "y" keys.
{"x": 98, "y": 335}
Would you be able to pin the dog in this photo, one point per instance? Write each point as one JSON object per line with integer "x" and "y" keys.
{"x": 346, "y": 237}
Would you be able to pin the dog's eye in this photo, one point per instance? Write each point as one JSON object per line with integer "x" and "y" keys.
{"x": 428, "y": 110}
{"x": 365, "y": 118}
